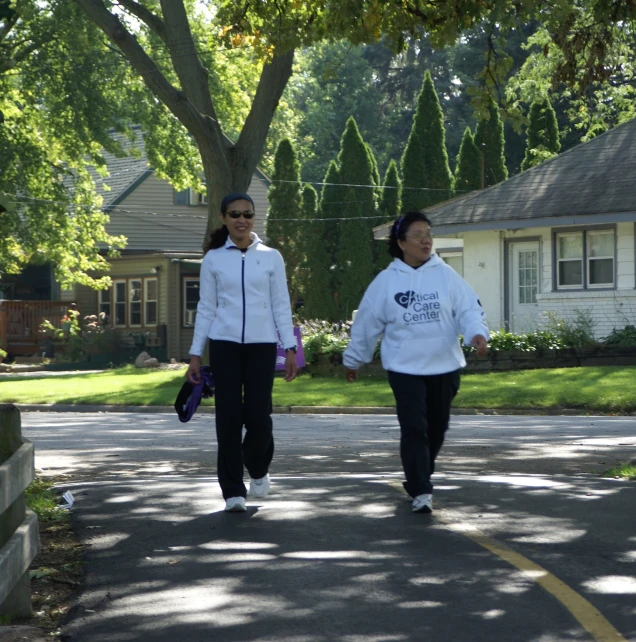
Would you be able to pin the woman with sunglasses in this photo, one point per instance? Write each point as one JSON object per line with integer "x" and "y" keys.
{"x": 243, "y": 301}
{"x": 420, "y": 306}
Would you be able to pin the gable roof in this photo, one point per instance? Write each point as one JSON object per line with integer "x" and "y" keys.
{"x": 593, "y": 179}
{"x": 128, "y": 172}
{"x": 125, "y": 173}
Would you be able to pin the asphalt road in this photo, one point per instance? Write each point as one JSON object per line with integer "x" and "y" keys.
{"x": 527, "y": 542}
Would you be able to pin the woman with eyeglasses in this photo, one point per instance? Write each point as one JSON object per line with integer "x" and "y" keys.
{"x": 419, "y": 306}
{"x": 243, "y": 301}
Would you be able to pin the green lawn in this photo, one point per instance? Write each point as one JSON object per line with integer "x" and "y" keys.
{"x": 603, "y": 389}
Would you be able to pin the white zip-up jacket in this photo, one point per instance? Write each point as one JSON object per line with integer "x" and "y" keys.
{"x": 421, "y": 313}
{"x": 243, "y": 297}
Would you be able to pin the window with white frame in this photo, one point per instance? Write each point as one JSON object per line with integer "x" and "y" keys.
{"x": 150, "y": 301}
{"x": 600, "y": 258}
{"x": 585, "y": 259}
{"x": 119, "y": 295}
{"x": 131, "y": 302}
{"x": 105, "y": 298}
{"x": 190, "y": 300}
{"x": 134, "y": 298}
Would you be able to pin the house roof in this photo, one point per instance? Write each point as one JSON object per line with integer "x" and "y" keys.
{"x": 124, "y": 173}
{"x": 590, "y": 179}
{"x": 128, "y": 172}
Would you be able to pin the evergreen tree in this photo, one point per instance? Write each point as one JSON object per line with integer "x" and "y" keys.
{"x": 390, "y": 206}
{"x": 355, "y": 253}
{"x": 359, "y": 170}
{"x": 284, "y": 198}
{"x": 391, "y": 192}
{"x": 468, "y": 169}
{"x": 356, "y": 168}
{"x": 317, "y": 278}
{"x": 375, "y": 172}
{"x": 490, "y": 132}
{"x": 306, "y": 234}
{"x": 331, "y": 204}
{"x": 285, "y": 201}
{"x": 543, "y": 133}
{"x": 425, "y": 170}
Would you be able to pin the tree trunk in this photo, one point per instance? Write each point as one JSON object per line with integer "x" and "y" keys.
{"x": 228, "y": 167}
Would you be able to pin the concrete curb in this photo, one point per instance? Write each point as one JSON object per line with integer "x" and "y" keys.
{"x": 309, "y": 410}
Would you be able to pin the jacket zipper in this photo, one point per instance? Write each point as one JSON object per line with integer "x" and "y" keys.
{"x": 243, "y": 288}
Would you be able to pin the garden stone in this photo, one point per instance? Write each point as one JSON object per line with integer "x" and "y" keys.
{"x": 144, "y": 360}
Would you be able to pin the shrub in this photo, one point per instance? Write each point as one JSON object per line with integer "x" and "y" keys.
{"x": 93, "y": 336}
{"x": 324, "y": 337}
{"x": 625, "y": 337}
{"x": 577, "y": 333}
{"x": 529, "y": 342}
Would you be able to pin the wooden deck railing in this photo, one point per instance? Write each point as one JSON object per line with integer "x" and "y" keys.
{"x": 20, "y": 323}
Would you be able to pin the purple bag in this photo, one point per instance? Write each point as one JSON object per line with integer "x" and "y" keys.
{"x": 300, "y": 353}
{"x": 190, "y": 395}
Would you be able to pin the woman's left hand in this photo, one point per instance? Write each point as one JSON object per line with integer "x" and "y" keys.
{"x": 291, "y": 368}
{"x": 480, "y": 344}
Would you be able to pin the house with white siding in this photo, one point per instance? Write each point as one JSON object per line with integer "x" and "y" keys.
{"x": 155, "y": 287}
{"x": 558, "y": 238}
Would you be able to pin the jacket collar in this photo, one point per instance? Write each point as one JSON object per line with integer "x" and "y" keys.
{"x": 255, "y": 241}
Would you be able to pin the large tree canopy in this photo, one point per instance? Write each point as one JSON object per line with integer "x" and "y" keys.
{"x": 55, "y": 93}
{"x": 205, "y": 80}
{"x": 163, "y": 40}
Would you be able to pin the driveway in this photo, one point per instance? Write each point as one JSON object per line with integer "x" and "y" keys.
{"x": 526, "y": 543}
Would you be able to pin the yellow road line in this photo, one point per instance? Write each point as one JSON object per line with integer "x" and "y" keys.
{"x": 588, "y": 616}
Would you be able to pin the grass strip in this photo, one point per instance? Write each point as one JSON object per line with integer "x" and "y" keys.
{"x": 45, "y": 502}
{"x": 626, "y": 471}
{"x": 605, "y": 389}
{"x": 57, "y": 570}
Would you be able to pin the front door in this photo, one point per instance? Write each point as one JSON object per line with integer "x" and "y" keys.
{"x": 524, "y": 286}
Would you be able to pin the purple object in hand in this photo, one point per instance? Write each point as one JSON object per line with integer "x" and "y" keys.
{"x": 300, "y": 353}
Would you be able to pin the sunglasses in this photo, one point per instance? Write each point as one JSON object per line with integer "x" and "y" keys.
{"x": 246, "y": 215}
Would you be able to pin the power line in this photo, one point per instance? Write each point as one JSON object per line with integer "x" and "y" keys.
{"x": 139, "y": 214}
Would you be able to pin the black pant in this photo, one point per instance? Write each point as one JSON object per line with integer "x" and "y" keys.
{"x": 423, "y": 408}
{"x": 243, "y": 380}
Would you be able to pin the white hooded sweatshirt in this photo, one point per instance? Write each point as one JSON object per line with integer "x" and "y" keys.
{"x": 421, "y": 313}
{"x": 243, "y": 297}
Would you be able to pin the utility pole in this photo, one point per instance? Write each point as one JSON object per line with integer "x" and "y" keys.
{"x": 483, "y": 165}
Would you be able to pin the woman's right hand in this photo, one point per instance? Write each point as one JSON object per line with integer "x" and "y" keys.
{"x": 194, "y": 370}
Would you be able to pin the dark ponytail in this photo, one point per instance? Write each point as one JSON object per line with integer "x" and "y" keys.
{"x": 217, "y": 239}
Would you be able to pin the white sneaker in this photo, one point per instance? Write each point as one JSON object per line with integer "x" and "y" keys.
{"x": 235, "y": 505}
{"x": 422, "y": 504}
{"x": 260, "y": 487}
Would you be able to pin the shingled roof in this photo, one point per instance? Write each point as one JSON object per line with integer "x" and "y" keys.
{"x": 594, "y": 178}
{"x": 124, "y": 172}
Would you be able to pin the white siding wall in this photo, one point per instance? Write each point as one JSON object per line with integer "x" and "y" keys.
{"x": 626, "y": 260}
{"x": 609, "y": 308}
{"x": 483, "y": 261}
{"x": 150, "y": 220}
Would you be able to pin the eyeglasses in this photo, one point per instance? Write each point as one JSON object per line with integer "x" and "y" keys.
{"x": 246, "y": 215}
{"x": 421, "y": 236}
